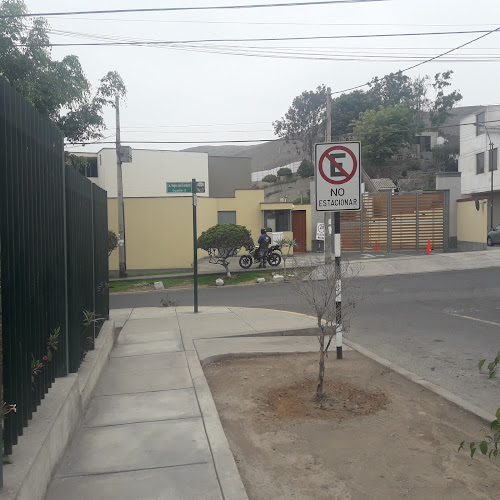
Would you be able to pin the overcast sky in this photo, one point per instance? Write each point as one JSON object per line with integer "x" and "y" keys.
{"x": 189, "y": 94}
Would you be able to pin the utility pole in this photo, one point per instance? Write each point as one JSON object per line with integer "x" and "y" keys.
{"x": 491, "y": 193}
{"x": 327, "y": 215}
{"x": 119, "y": 188}
{"x": 195, "y": 246}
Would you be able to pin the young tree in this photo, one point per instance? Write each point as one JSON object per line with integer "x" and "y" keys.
{"x": 223, "y": 241}
{"x": 270, "y": 178}
{"x": 112, "y": 241}
{"x": 384, "y": 132}
{"x": 443, "y": 103}
{"x": 284, "y": 172}
{"x": 304, "y": 120}
{"x": 320, "y": 290}
{"x": 306, "y": 169}
{"x": 59, "y": 90}
{"x": 288, "y": 244}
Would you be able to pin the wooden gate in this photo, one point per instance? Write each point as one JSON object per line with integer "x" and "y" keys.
{"x": 395, "y": 222}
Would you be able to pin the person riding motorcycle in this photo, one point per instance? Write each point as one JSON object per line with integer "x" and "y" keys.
{"x": 264, "y": 241}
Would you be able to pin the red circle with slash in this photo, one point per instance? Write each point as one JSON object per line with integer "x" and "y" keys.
{"x": 326, "y": 156}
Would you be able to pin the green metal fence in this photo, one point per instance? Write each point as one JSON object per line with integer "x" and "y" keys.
{"x": 52, "y": 234}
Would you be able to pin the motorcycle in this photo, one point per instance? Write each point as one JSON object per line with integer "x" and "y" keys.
{"x": 273, "y": 257}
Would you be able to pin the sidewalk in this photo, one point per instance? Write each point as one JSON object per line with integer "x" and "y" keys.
{"x": 151, "y": 430}
{"x": 371, "y": 264}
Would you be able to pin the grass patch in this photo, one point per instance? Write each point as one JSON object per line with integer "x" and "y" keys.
{"x": 182, "y": 282}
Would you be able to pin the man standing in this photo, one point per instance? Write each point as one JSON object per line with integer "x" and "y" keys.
{"x": 264, "y": 242}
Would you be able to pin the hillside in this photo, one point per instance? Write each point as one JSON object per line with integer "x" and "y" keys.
{"x": 264, "y": 156}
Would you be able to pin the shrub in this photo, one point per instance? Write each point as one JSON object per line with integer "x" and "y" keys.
{"x": 270, "y": 178}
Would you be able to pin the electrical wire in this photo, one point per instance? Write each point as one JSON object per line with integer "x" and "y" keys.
{"x": 179, "y": 9}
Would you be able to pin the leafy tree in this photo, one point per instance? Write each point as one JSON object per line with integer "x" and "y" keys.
{"x": 304, "y": 120}
{"x": 270, "y": 178}
{"x": 112, "y": 241}
{"x": 445, "y": 156}
{"x": 443, "y": 103}
{"x": 79, "y": 163}
{"x": 59, "y": 90}
{"x": 223, "y": 241}
{"x": 346, "y": 109}
{"x": 306, "y": 169}
{"x": 384, "y": 132}
{"x": 284, "y": 171}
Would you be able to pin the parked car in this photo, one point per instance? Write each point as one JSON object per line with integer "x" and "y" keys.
{"x": 493, "y": 237}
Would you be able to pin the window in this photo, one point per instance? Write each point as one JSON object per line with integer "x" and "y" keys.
{"x": 480, "y": 163}
{"x": 493, "y": 159}
{"x": 480, "y": 119}
{"x": 91, "y": 170}
{"x": 277, "y": 220}
{"x": 226, "y": 217}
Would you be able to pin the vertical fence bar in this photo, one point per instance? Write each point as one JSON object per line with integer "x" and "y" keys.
{"x": 389, "y": 223}
{"x": 416, "y": 223}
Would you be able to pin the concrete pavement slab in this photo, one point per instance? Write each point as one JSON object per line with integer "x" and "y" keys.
{"x": 164, "y": 360}
{"x": 142, "y": 407}
{"x": 138, "y": 337}
{"x": 147, "y": 348}
{"x": 212, "y": 326}
{"x": 188, "y": 310}
{"x": 267, "y": 320}
{"x": 212, "y": 349}
{"x": 189, "y": 482}
{"x": 149, "y": 325}
{"x": 143, "y": 380}
{"x": 120, "y": 448}
{"x": 120, "y": 316}
{"x": 152, "y": 312}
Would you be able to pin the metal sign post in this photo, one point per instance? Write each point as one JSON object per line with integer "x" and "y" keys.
{"x": 195, "y": 246}
{"x": 338, "y": 188}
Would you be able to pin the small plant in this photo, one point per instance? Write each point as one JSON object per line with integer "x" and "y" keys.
{"x": 287, "y": 243}
{"x": 6, "y": 409}
{"x": 53, "y": 342}
{"x": 167, "y": 302}
{"x": 90, "y": 320}
{"x": 489, "y": 445}
{"x": 112, "y": 241}
{"x": 492, "y": 367}
{"x": 36, "y": 368}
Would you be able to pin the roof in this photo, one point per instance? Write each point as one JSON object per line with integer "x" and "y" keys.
{"x": 384, "y": 183}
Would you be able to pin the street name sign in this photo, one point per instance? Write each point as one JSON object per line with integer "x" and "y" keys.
{"x": 185, "y": 187}
{"x": 337, "y": 173}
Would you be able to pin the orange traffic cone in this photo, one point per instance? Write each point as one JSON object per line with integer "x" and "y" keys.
{"x": 376, "y": 247}
{"x": 429, "y": 247}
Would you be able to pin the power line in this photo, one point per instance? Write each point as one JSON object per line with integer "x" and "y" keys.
{"x": 179, "y": 9}
{"x": 270, "y": 39}
{"x": 428, "y": 60}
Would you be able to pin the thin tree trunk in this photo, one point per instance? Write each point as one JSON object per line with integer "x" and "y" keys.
{"x": 226, "y": 267}
{"x": 321, "y": 375}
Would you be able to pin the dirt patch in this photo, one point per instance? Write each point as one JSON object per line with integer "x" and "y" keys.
{"x": 376, "y": 436}
{"x": 341, "y": 400}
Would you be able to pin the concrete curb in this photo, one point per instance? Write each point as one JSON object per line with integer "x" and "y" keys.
{"x": 227, "y": 473}
{"x": 461, "y": 403}
{"x": 53, "y": 425}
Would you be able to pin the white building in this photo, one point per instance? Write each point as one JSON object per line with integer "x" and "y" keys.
{"x": 478, "y": 161}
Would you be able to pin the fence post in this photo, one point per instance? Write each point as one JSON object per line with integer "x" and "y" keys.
{"x": 65, "y": 237}
{"x": 417, "y": 223}
{"x": 389, "y": 223}
{"x": 446, "y": 220}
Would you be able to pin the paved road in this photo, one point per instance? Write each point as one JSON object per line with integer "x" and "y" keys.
{"x": 437, "y": 325}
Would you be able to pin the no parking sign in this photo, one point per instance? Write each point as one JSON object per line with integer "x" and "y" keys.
{"x": 337, "y": 174}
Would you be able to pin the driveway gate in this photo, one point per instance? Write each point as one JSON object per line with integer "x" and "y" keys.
{"x": 396, "y": 222}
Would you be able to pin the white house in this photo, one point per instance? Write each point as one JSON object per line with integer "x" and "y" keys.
{"x": 478, "y": 161}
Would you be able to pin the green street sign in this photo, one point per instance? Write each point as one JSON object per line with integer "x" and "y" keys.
{"x": 185, "y": 187}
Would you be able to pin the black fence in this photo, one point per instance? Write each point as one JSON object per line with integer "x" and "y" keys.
{"x": 54, "y": 263}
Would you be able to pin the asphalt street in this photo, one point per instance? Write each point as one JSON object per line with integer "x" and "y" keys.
{"x": 438, "y": 325}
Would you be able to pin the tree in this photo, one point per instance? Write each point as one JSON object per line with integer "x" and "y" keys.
{"x": 284, "y": 172}
{"x": 346, "y": 109}
{"x": 443, "y": 103}
{"x": 112, "y": 241}
{"x": 445, "y": 156}
{"x": 270, "y": 178}
{"x": 306, "y": 169}
{"x": 321, "y": 292}
{"x": 59, "y": 90}
{"x": 304, "y": 120}
{"x": 384, "y": 132}
{"x": 287, "y": 243}
{"x": 223, "y": 241}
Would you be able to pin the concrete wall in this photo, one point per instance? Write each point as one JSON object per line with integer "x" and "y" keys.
{"x": 472, "y": 224}
{"x": 159, "y": 231}
{"x": 226, "y": 174}
{"x": 146, "y": 176}
{"x": 451, "y": 182}
{"x": 471, "y": 144}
